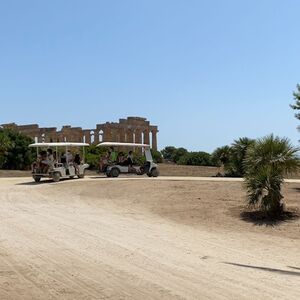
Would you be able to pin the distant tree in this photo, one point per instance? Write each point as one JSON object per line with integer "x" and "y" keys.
{"x": 93, "y": 154}
{"x": 139, "y": 158}
{"x": 4, "y": 146}
{"x": 221, "y": 156}
{"x": 178, "y": 154}
{"x": 168, "y": 152}
{"x": 267, "y": 161}
{"x": 18, "y": 156}
{"x": 196, "y": 159}
{"x": 157, "y": 157}
{"x": 173, "y": 154}
{"x": 235, "y": 164}
{"x": 296, "y": 106}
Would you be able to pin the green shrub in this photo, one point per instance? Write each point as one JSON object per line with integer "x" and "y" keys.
{"x": 4, "y": 146}
{"x": 138, "y": 158}
{"x": 157, "y": 157}
{"x": 180, "y": 152}
{"x": 267, "y": 161}
{"x": 93, "y": 155}
{"x": 173, "y": 154}
{"x": 16, "y": 155}
{"x": 196, "y": 159}
{"x": 168, "y": 152}
{"x": 234, "y": 166}
{"x": 221, "y": 156}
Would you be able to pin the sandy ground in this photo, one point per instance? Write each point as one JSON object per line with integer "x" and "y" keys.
{"x": 143, "y": 239}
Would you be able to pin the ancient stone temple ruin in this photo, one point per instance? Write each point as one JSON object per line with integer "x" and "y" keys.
{"x": 130, "y": 130}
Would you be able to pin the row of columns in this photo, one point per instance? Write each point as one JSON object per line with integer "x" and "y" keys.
{"x": 120, "y": 135}
{"x": 107, "y": 135}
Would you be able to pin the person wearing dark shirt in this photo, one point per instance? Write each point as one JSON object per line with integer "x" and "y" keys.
{"x": 77, "y": 162}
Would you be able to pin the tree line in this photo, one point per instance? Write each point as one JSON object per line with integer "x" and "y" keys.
{"x": 14, "y": 151}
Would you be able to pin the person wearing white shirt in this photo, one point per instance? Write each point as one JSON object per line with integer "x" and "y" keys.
{"x": 69, "y": 156}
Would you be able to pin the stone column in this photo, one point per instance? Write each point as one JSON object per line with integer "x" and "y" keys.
{"x": 82, "y": 138}
{"x": 154, "y": 139}
{"x": 96, "y": 137}
{"x": 87, "y": 135}
{"x": 146, "y": 137}
{"x": 138, "y": 136}
{"x": 106, "y": 135}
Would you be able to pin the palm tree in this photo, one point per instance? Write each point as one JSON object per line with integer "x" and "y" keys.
{"x": 234, "y": 166}
{"x": 220, "y": 157}
{"x": 266, "y": 163}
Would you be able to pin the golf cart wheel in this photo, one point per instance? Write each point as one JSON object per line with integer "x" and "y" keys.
{"x": 81, "y": 175}
{"x": 154, "y": 172}
{"x": 115, "y": 172}
{"x": 56, "y": 176}
{"x": 37, "y": 178}
{"x": 142, "y": 171}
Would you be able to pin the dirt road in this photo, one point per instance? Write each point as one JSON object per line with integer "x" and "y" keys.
{"x": 142, "y": 239}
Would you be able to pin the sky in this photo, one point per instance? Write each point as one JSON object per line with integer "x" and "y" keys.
{"x": 206, "y": 72}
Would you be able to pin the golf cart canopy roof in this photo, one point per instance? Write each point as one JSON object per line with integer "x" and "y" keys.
{"x": 66, "y": 144}
{"x": 115, "y": 144}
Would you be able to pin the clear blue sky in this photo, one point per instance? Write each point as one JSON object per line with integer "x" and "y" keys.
{"x": 206, "y": 72}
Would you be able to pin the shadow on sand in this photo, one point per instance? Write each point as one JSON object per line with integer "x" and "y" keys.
{"x": 282, "y": 272}
{"x": 295, "y": 268}
{"x": 297, "y": 189}
{"x": 98, "y": 177}
{"x": 48, "y": 181}
{"x": 259, "y": 218}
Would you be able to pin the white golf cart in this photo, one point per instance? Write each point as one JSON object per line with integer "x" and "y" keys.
{"x": 60, "y": 166}
{"x": 114, "y": 169}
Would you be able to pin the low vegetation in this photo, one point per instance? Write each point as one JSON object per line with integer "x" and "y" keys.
{"x": 266, "y": 162}
{"x": 229, "y": 157}
{"x": 14, "y": 151}
{"x": 182, "y": 156}
{"x": 263, "y": 163}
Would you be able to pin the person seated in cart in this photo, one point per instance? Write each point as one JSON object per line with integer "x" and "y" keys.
{"x": 69, "y": 156}
{"x": 77, "y": 162}
{"x": 113, "y": 155}
{"x": 104, "y": 162}
{"x": 108, "y": 159}
{"x": 47, "y": 160}
{"x": 130, "y": 159}
{"x": 129, "y": 162}
{"x": 44, "y": 163}
{"x": 121, "y": 159}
